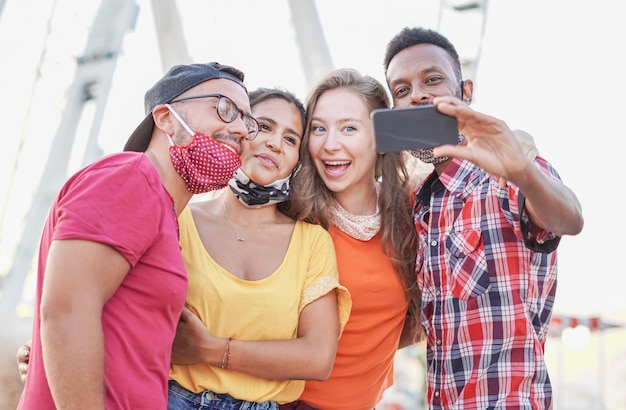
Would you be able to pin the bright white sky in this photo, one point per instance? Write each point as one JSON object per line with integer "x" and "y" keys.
{"x": 554, "y": 68}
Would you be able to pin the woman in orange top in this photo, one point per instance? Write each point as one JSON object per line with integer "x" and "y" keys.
{"x": 372, "y": 229}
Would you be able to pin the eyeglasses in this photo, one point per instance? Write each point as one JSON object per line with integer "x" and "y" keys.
{"x": 228, "y": 112}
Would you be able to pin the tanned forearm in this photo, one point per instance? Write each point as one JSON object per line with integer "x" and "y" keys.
{"x": 73, "y": 355}
{"x": 550, "y": 204}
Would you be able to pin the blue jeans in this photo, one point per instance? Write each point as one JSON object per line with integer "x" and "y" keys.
{"x": 179, "y": 398}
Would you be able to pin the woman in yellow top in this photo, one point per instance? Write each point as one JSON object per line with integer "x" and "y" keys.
{"x": 264, "y": 285}
{"x": 339, "y": 187}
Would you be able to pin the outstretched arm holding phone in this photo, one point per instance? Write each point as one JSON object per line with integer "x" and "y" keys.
{"x": 491, "y": 145}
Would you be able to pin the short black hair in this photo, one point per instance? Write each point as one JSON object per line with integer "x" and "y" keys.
{"x": 411, "y": 36}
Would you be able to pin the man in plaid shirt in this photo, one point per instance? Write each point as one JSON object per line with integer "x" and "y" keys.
{"x": 489, "y": 219}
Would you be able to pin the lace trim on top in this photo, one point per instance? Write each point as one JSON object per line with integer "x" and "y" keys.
{"x": 321, "y": 287}
{"x": 361, "y": 227}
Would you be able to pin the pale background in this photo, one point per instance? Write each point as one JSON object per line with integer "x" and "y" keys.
{"x": 555, "y": 68}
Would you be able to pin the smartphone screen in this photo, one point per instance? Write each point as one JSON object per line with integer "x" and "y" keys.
{"x": 419, "y": 127}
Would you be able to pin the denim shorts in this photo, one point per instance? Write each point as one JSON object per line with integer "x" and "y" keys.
{"x": 179, "y": 398}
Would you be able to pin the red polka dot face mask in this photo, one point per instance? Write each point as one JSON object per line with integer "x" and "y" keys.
{"x": 204, "y": 164}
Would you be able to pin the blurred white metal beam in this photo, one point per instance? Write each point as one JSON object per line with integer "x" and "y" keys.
{"x": 171, "y": 38}
{"x": 92, "y": 81}
{"x": 314, "y": 53}
{"x": 464, "y": 22}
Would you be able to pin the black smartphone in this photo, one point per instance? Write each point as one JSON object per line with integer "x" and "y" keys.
{"x": 419, "y": 127}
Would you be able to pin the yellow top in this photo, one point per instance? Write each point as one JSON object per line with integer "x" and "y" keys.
{"x": 267, "y": 309}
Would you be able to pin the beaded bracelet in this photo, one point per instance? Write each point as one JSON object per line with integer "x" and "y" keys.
{"x": 226, "y": 357}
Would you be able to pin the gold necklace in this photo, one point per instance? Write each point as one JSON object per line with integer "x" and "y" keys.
{"x": 232, "y": 226}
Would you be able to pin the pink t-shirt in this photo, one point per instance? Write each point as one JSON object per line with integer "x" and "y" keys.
{"x": 120, "y": 201}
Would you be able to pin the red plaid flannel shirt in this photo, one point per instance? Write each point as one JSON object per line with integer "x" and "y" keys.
{"x": 488, "y": 289}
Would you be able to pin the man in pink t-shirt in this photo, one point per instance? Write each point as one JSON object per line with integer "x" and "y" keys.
{"x": 111, "y": 282}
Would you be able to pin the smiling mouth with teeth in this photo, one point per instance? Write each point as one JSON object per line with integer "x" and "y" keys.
{"x": 336, "y": 166}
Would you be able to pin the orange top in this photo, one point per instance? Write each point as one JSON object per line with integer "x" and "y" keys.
{"x": 364, "y": 364}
